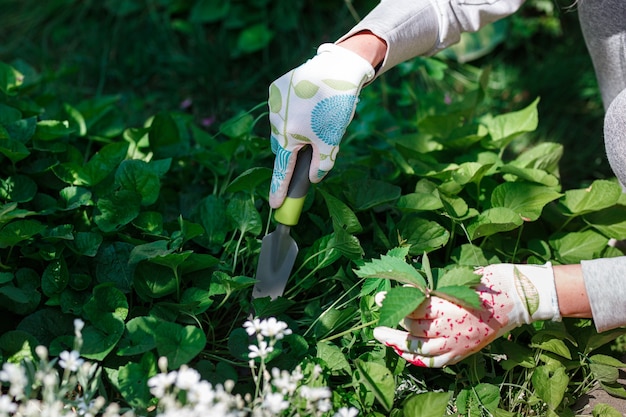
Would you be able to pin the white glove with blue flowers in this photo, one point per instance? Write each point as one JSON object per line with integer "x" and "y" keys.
{"x": 313, "y": 104}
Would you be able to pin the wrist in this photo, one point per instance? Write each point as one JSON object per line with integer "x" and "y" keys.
{"x": 367, "y": 45}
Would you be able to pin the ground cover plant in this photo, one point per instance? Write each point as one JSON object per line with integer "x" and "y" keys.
{"x": 147, "y": 231}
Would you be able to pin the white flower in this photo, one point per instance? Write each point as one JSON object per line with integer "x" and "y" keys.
{"x": 70, "y": 360}
{"x": 187, "y": 378}
{"x": 275, "y": 402}
{"x": 201, "y": 393}
{"x": 347, "y": 412}
{"x": 160, "y": 383}
{"x": 7, "y": 406}
{"x": 252, "y": 326}
{"x": 260, "y": 351}
{"x": 14, "y": 375}
{"x": 78, "y": 326}
{"x": 314, "y": 393}
{"x": 274, "y": 328}
{"x": 283, "y": 381}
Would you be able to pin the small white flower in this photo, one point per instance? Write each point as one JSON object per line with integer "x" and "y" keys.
{"x": 283, "y": 381}
{"x": 160, "y": 383}
{"x": 274, "y": 328}
{"x": 252, "y": 326}
{"x": 315, "y": 393}
{"x": 187, "y": 378}
{"x": 70, "y": 360}
{"x": 275, "y": 402}
{"x": 347, "y": 412}
{"x": 7, "y": 406}
{"x": 201, "y": 393}
{"x": 260, "y": 351}
{"x": 14, "y": 375}
{"x": 78, "y": 326}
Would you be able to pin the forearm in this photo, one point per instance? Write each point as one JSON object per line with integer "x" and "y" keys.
{"x": 571, "y": 291}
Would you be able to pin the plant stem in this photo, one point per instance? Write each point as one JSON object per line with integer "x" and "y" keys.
{"x": 351, "y": 330}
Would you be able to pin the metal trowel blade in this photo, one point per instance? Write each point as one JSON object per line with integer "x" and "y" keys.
{"x": 276, "y": 260}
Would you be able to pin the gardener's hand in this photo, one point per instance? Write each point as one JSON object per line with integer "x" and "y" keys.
{"x": 313, "y": 105}
{"x": 441, "y": 333}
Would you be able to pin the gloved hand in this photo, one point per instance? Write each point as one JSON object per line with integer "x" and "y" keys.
{"x": 441, "y": 333}
{"x": 313, "y": 104}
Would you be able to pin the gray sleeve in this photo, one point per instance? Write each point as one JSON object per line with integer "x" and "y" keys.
{"x": 423, "y": 27}
{"x": 605, "y": 282}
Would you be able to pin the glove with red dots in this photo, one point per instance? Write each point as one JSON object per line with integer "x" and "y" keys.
{"x": 313, "y": 104}
{"x": 440, "y": 333}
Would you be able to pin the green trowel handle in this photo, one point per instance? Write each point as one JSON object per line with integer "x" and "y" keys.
{"x": 289, "y": 213}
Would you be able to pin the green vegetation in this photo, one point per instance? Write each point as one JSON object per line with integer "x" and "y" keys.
{"x": 133, "y": 195}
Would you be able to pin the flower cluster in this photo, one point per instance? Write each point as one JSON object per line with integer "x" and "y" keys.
{"x": 69, "y": 386}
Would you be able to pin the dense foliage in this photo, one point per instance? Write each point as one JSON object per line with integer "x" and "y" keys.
{"x": 147, "y": 225}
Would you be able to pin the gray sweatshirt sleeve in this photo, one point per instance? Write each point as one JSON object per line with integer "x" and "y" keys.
{"x": 605, "y": 282}
{"x": 423, "y": 27}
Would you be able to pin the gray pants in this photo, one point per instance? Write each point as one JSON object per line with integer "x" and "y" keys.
{"x": 603, "y": 24}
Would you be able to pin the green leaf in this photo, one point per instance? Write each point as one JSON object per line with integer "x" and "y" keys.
{"x": 22, "y": 130}
{"x": 607, "y": 360}
{"x": 52, "y": 129}
{"x": 399, "y": 302}
{"x": 305, "y": 89}
{"x": 133, "y": 381}
{"x": 544, "y": 156}
{"x": 117, "y": 209}
{"x": 332, "y": 356}
{"x": 378, "y": 380}
{"x": 459, "y": 294}
{"x": 576, "y": 246}
{"x": 105, "y": 161}
{"x": 529, "y": 174}
{"x": 427, "y": 404}
{"x": 341, "y": 85}
{"x": 506, "y": 127}
{"x": 550, "y": 343}
{"x": 237, "y": 126}
{"x": 470, "y": 172}
{"x": 275, "y": 100}
{"x": 18, "y": 231}
{"x": 605, "y": 410}
{"x": 14, "y": 150}
{"x": 141, "y": 178}
{"x": 343, "y": 218}
{"x": 391, "y": 267}
{"x": 527, "y": 200}
{"x": 211, "y": 214}
{"x": 604, "y": 373}
{"x": 458, "y": 275}
{"x": 106, "y": 300}
{"x": 254, "y": 38}
{"x": 550, "y": 385}
{"x": 18, "y": 188}
{"x": 177, "y": 343}
{"x": 419, "y": 202}
{"x": 208, "y": 11}
{"x": 365, "y": 194}
{"x": 101, "y": 336}
{"x": 166, "y": 139}
{"x": 474, "y": 400}
{"x": 10, "y": 79}
{"x": 74, "y": 197}
{"x": 492, "y": 221}
{"x": 249, "y": 180}
{"x": 610, "y": 221}
{"x": 526, "y": 291}
{"x": 154, "y": 281}
{"x": 245, "y": 215}
{"x": 423, "y": 235}
{"x": 55, "y": 277}
{"x": 599, "y": 195}
{"x": 138, "y": 337}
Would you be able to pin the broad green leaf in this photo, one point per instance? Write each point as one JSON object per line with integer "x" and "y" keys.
{"x": 140, "y": 177}
{"x": 475, "y": 399}
{"x": 133, "y": 381}
{"x": 197, "y": 297}
{"x": 211, "y": 214}
{"x": 378, "y": 380}
{"x": 526, "y": 291}
{"x": 8, "y": 115}
{"x": 607, "y": 360}
{"x": 14, "y": 150}
{"x": 423, "y": 235}
{"x": 551, "y": 343}
{"x": 101, "y": 336}
{"x": 544, "y": 156}
{"x": 610, "y": 222}
{"x": 106, "y": 300}
{"x": 208, "y": 11}
{"x": 576, "y": 246}
{"x": 177, "y": 343}
{"x": 254, "y": 38}
{"x": 527, "y": 200}
{"x": 476, "y": 44}
{"x": 616, "y": 390}
{"x": 365, "y": 194}
{"x": 333, "y": 357}
{"x": 237, "y": 126}
{"x": 347, "y": 244}
{"x": 18, "y": 346}
{"x": 46, "y": 324}
{"x": 538, "y": 176}
{"x": 305, "y": 89}
{"x": 605, "y": 410}
{"x": 458, "y": 275}
{"x": 391, "y": 267}
{"x": 506, "y": 127}
{"x": 455, "y": 207}
{"x": 249, "y": 180}
{"x": 470, "y": 255}
{"x": 470, "y": 172}
{"x": 550, "y": 385}
{"x": 77, "y": 119}
{"x": 17, "y": 188}
{"x": 154, "y": 281}
{"x": 55, "y": 277}
{"x": 245, "y": 215}
{"x": 105, "y": 161}
{"x": 19, "y": 231}
{"x": 340, "y": 213}
{"x": 150, "y": 222}
{"x": 399, "y": 302}
{"x": 604, "y": 373}
{"x": 171, "y": 260}
{"x": 86, "y": 243}
{"x": 427, "y": 404}
{"x": 22, "y": 130}
{"x": 74, "y": 197}
{"x": 138, "y": 337}
{"x": 150, "y": 250}
{"x": 10, "y": 79}
{"x": 459, "y": 294}
{"x": 52, "y": 129}
{"x": 419, "y": 202}
{"x": 165, "y": 137}
{"x": 117, "y": 209}
{"x": 599, "y": 195}
{"x": 492, "y": 221}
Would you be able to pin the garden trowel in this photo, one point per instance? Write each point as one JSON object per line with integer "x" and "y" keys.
{"x": 278, "y": 249}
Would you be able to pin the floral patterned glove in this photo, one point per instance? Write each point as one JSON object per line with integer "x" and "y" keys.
{"x": 313, "y": 105}
{"x": 441, "y": 333}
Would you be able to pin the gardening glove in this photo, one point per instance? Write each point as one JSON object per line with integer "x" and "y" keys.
{"x": 313, "y": 105}
{"x": 440, "y": 333}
